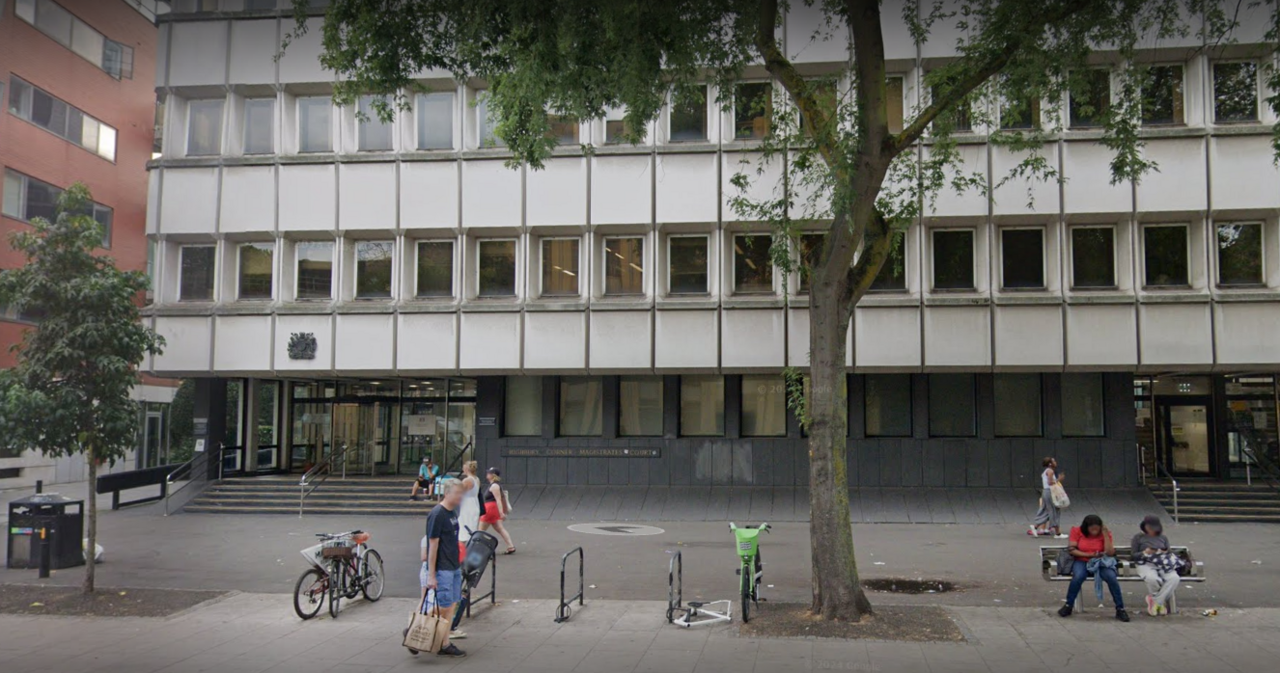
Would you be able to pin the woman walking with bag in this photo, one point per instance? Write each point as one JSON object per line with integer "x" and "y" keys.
{"x": 469, "y": 512}
{"x": 496, "y": 507}
{"x": 1046, "y": 521}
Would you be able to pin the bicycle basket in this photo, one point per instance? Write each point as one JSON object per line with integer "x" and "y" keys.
{"x": 342, "y": 549}
{"x": 746, "y": 541}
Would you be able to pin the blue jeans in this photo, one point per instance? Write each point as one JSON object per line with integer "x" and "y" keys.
{"x": 1080, "y": 572}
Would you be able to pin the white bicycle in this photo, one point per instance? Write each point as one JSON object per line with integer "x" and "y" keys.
{"x": 342, "y": 566}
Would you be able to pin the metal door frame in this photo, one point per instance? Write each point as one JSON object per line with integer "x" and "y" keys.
{"x": 1164, "y": 452}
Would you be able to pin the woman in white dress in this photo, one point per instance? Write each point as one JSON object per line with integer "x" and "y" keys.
{"x": 469, "y": 511}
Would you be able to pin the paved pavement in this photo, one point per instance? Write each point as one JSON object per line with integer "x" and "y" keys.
{"x": 251, "y": 633}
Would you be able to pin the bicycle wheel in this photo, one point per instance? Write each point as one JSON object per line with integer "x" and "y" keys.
{"x": 336, "y": 586}
{"x": 747, "y": 581}
{"x": 371, "y": 576}
{"x": 308, "y": 594}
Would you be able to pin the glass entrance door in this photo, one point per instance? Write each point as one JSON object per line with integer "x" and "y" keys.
{"x": 152, "y": 437}
{"x": 365, "y": 430}
{"x": 1185, "y": 436}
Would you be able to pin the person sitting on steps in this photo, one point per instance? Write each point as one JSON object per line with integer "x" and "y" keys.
{"x": 428, "y": 473}
{"x": 1094, "y": 551}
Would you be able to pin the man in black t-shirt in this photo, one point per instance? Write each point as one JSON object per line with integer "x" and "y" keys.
{"x": 442, "y": 568}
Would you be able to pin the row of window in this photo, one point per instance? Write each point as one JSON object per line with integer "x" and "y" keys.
{"x": 26, "y": 198}
{"x": 60, "y": 118}
{"x": 194, "y": 6}
{"x": 70, "y": 31}
{"x": 887, "y": 406}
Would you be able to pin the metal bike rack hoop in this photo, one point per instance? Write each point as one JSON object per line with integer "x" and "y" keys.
{"x": 563, "y": 611}
{"x": 675, "y": 585}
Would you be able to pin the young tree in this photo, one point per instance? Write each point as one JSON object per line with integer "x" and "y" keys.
{"x": 69, "y": 392}
{"x": 844, "y": 165}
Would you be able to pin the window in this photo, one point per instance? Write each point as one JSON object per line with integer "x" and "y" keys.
{"x": 373, "y": 269}
{"x": 259, "y": 4}
{"x": 1082, "y": 405}
{"x": 435, "y": 269}
{"x": 764, "y": 405}
{"x": 1093, "y": 251}
{"x": 952, "y": 409}
{"x": 887, "y": 405}
{"x": 497, "y": 268}
{"x": 1165, "y": 255}
{"x": 961, "y": 115}
{"x": 559, "y": 267}
{"x": 1020, "y": 115}
{"x": 640, "y": 406}
{"x": 374, "y": 135}
{"x": 1022, "y": 258}
{"x": 810, "y": 249}
{"x": 51, "y": 114}
{"x": 1235, "y": 92}
{"x": 315, "y": 269}
{"x": 702, "y": 406}
{"x": 689, "y": 114}
{"x": 580, "y": 406}
{"x": 1017, "y": 402}
{"x": 894, "y": 94}
{"x": 752, "y": 265}
{"x": 204, "y": 128}
{"x": 255, "y": 270}
{"x": 1240, "y": 254}
{"x": 1162, "y": 101}
{"x": 259, "y": 125}
{"x": 953, "y": 259}
{"x": 523, "y": 408}
{"x": 688, "y": 265}
{"x": 616, "y": 127}
{"x": 26, "y": 198}
{"x": 51, "y": 19}
{"x": 195, "y": 274}
{"x": 624, "y": 265}
{"x": 564, "y": 130}
{"x": 893, "y": 273}
{"x": 826, "y": 94}
{"x": 752, "y": 110}
{"x": 435, "y": 120}
{"x": 486, "y": 123}
{"x": 1090, "y": 99}
{"x": 315, "y": 124}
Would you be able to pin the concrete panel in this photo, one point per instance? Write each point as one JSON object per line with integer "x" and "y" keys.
{"x": 761, "y": 186}
{"x": 306, "y": 198}
{"x": 972, "y": 202}
{"x": 1175, "y": 334}
{"x": 248, "y": 199}
{"x": 957, "y": 336}
{"x": 428, "y": 194}
{"x": 490, "y": 341}
{"x": 621, "y": 340}
{"x": 1029, "y": 336}
{"x": 887, "y": 337}
{"x": 319, "y": 326}
{"x": 190, "y": 201}
{"x": 621, "y": 189}
{"x": 753, "y": 338}
{"x": 301, "y": 61}
{"x": 1247, "y": 333}
{"x": 491, "y": 195}
{"x": 427, "y": 342}
{"x": 1087, "y": 169}
{"x": 1102, "y": 335}
{"x": 555, "y": 340}
{"x": 687, "y": 190}
{"x": 1243, "y": 174}
{"x": 162, "y": 54}
{"x": 202, "y": 56}
{"x": 798, "y": 338}
{"x": 898, "y": 43}
{"x": 945, "y": 32}
{"x": 188, "y": 342}
{"x": 1022, "y": 195}
{"x": 557, "y": 194}
{"x": 1180, "y": 182}
{"x": 153, "y": 201}
{"x": 365, "y": 342}
{"x": 367, "y": 198}
{"x": 238, "y": 344}
{"x": 253, "y": 51}
{"x": 810, "y": 38}
{"x": 674, "y": 349}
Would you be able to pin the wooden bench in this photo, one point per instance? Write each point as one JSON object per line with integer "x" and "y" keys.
{"x": 1126, "y": 570}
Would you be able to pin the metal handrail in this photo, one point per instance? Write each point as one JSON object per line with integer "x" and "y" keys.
{"x": 563, "y": 610}
{"x": 322, "y": 470}
{"x": 1160, "y": 468}
{"x": 1268, "y": 469}
{"x": 187, "y": 469}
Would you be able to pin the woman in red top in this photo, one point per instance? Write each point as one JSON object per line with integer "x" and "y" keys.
{"x": 1089, "y": 542}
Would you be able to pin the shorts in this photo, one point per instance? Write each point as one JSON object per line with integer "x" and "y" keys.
{"x": 423, "y": 482}
{"x": 448, "y": 587}
{"x": 491, "y": 514}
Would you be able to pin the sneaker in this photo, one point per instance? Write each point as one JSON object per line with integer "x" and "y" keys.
{"x": 1064, "y": 611}
{"x": 452, "y": 651}
{"x": 1153, "y": 608}
{"x": 413, "y": 498}
{"x": 1122, "y": 615}
{"x": 457, "y": 635}
{"x": 1161, "y": 610}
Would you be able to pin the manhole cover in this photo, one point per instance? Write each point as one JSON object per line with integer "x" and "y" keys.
{"x": 615, "y": 529}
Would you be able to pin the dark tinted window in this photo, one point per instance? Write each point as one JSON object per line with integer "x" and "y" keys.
{"x": 1093, "y": 257}
{"x": 952, "y": 409}
{"x": 1022, "y": 258}
{"x": 688, "y": 264}
{"x": 1090, "y": 98}
{"x": 1162, "y": 95}
{"x": 752, "y": 265}
{"x": 953, "y": 259}
{"x": 887, "y": 405}
{"x": 1240, "y": 254}
{"x": 1235, "y": 92}
{"x": 1165, "y": 254}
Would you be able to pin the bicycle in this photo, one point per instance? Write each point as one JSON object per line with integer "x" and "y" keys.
{"x": 342, "y": 566}
{"x": 751, "y": 570}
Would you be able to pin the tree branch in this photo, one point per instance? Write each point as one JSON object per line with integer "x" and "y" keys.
{"x": 876, "y": 246}
{"x": 814, "y": 118}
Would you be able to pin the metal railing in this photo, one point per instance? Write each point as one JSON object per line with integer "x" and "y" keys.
{"x": 194, "y": 471}
{"x": 1267, "y": 469}
{"x": 675, "y": 585}
{"x": 1173, "y": 483}
{"x": 319, "y": 473}
{"x": 563, "y": 610}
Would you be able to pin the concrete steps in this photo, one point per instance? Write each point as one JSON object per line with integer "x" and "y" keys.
{"x": 1221, "y": 501}
{"x": 378, "y": 496}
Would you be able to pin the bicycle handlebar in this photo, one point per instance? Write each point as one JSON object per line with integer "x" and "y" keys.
{"x": 764, "y": 526}
{"x": 334, "y": 536}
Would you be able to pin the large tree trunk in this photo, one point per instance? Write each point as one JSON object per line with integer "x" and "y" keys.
{"x": 837, "y": 593}
{"x": 92, "y": 546}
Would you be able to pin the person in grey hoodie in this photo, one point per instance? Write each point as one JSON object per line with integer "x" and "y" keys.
{"x": 1155, "y": 565}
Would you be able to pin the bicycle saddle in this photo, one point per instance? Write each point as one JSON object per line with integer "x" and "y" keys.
{"x": 695, "y": 604}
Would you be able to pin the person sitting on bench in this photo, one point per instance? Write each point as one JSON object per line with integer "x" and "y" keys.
{"x": 1091, "y": 546}
{"x": 1155, "y": 564}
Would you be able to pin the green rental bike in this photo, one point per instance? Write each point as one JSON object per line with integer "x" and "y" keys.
{"x": 751, "y": 570}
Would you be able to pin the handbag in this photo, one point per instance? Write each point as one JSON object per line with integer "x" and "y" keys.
{"x": 428, "y": 631}
{"x": 1065, "y": 562}
{"x": 1059, "y": 494}
{"x": 506, "y": 502}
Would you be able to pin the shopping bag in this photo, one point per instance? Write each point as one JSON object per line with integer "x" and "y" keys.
{"x": 428, "y": 630}
{"x": 1060, "y": 499}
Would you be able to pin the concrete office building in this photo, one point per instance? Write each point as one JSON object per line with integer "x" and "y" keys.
{"x": 395, "y": 289}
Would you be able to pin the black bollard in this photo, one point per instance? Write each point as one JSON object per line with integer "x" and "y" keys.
{"x": 44, "y": 554}
{"x": 39, "y": 486}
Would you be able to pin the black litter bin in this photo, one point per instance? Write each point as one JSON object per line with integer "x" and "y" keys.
{"x": 64, "y": 530}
